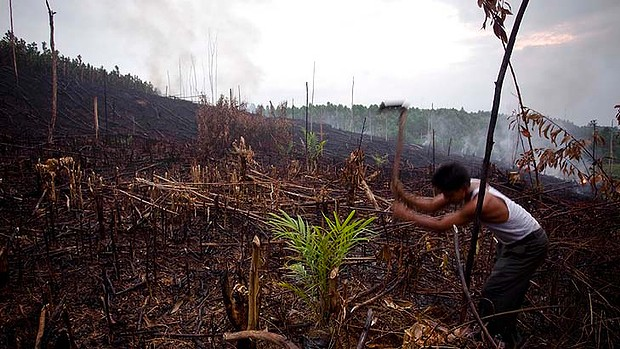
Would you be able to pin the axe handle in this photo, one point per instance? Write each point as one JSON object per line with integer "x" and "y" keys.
{"x": 402, "y": 119}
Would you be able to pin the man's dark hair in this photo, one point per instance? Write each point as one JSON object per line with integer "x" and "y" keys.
{"x": 450, "y": 177}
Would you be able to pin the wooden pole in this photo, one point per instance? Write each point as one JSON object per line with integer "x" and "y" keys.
{"x": 402, "y": 119}
{"x": 262, "y": 335}
{"x": 307, "y": 164}
{"x": 105, "y": 103}
{"x": 4, "y": 266}
{"x": 50, "y": 135}
{"x": 13, "y": 43}
{"x": 611, "y": 148}
{"x": 180, "y": 80}
{"x": 41, "y": 330}
{"x": 433, "y": 150}
{"x": 168, "y": 86}
{"x": 312, "y": 100}
{"x": 352, "y": 87}
{"x": 96, "y": 116}
{"x": 370, "y": 124}
{"x": 254, "y": 289}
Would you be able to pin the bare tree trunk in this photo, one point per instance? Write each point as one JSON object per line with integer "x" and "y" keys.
{"x": 180, "y": 80}
{"x": 312, "y": 100}
{"x": 212, "y": 62}
{"x": 433, "y": 151}
{"x": 254, "y": 287}
{"x": 39, "y": 340}
{"x": 13, "y": 43}
{"x": 352, "y": 88}
{"x": 307, "y": 164}
{"x": 96, "y": 118}
{"x": 489, "y": 145}
{"x": 50, "y": 135}
{"x": 611, "y": 148}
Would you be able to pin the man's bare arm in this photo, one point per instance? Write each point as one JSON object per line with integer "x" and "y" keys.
{"x": 420, "y": 203}
{"x": 445, "y": 222}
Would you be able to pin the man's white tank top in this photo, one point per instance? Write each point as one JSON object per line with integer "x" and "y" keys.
{"x": 519, "y": 224}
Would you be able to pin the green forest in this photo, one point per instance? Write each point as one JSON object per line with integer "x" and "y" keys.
{"x": 29, "y": 56}
{"x": 455, "y": 131}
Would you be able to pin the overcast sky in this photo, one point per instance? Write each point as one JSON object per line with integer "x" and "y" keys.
{"x": 425, "y": 52}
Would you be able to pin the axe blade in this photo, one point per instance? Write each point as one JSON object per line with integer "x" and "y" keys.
{"x": 394, "y": 105}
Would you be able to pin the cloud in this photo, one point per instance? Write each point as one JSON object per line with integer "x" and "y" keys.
{"x": 545, "y": 38}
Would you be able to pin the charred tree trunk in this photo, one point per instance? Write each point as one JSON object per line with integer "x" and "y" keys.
{"x": 254, "y": 289}
{"x": 96, "y": 118}
{"x": 50, "y": 135}
{"x": 13, "y": 43}
{"x": 4, "y": 266}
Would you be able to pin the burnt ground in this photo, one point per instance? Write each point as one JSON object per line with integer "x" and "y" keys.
{"x": 131, "y": 245}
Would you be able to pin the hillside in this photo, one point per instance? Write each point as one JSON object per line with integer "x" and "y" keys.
{"x": 125, "y": 106}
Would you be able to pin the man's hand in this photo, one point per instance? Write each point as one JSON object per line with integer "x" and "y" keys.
{"x": 401, "y": 211}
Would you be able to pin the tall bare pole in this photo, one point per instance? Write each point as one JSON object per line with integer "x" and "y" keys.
{"x": 611, "y": 148}
{"x": 312, "y": 100}
{"x": 168, "y": 86}
{"x": 433, "y": 170}
{"x": 195, "y": 91}
{"x": 50, "y": 135}
{"x": 352, "y": 87}
{"x": 180, "y": 80}
{"x": 313, "y": 74}
{"x": 13, "y": 43}
{"x": 96, "y": 117}
{"x": 307, "y": 164}
{"x": 212, "y": 65}
{"x": 105, "y": 102}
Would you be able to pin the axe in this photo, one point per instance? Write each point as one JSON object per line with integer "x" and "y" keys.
{"x": 402, "y": 118}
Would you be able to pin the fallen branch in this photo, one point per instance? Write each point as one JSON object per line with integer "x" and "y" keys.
{"x": 146, "y": 202}
{"x": 381, "y": 294}
{"x": 37, "y": 343}
{"x": 369, "y": 322}
{"x": 487, "y": 335}
{"x": 262, "y": 335}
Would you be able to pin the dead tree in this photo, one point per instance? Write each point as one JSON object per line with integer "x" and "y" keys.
{"x": 13, "y": 43}
{"x": 50, "y": 135}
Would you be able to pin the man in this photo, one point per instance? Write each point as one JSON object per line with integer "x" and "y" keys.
{"x": 522, "y": 243}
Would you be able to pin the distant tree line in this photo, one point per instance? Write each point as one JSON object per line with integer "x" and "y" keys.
{"x": 455, "y": 130}
{"x": 29, "y": 57}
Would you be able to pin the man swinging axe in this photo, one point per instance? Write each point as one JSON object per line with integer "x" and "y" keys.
{"x": 522, "y": 243}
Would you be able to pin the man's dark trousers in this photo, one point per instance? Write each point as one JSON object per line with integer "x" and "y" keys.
{"x": 505, "y": 288}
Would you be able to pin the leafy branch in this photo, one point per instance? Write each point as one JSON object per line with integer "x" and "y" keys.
{"x": 495, "y": 12}
{"x": 567, "y": 152}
